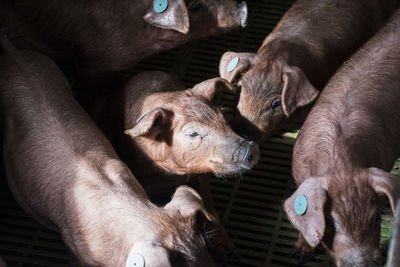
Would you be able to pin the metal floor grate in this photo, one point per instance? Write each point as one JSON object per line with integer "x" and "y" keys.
{"x": 250, "y": 207}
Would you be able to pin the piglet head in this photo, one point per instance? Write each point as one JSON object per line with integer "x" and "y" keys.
{"x": 268, "y": 93}
{"x": 176, "y": 234}
{"x": 197, "y": 18}
{"x": 185, "y": 133}
{"x": 344, "y": 214}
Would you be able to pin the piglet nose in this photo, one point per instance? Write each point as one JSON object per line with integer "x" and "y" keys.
{"x": 252, "y": 153}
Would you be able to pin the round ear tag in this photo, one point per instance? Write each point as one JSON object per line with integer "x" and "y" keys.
{"x": 160, "y": 6}
{"x": 135, "y": 260}
{"x": 232, "y": 64}
{"x": 300, "y": 204}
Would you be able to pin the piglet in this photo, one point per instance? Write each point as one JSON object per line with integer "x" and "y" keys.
{"x": 106, "y": 38}
{"x": 172, "y": 135}
{"x": 153, "y": 122}
{"x": 295, "y": 61}
{"x": 64, "y": 172}
{"x": 344, "y": 152}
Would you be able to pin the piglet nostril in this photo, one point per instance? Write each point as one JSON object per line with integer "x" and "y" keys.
{"x": 252, "y": 154}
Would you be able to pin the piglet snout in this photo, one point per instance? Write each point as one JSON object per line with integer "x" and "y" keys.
{"x": 248, "y": 154}
{"x": 242, "y": 8}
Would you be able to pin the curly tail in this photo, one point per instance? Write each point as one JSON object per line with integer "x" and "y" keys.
{"x": 5, "y": 43}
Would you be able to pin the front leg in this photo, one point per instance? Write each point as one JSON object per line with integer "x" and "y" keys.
{"x": 214, "y": 233}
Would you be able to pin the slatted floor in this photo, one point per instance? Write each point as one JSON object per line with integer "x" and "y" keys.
{"x": 250, "y": 207}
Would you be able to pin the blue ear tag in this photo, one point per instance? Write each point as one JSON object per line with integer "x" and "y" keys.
{"x": 135, "y": 260}
{"x": 160, "y": 6}
{"x": 300, "y": 204}
{"x": 232, "y": 64}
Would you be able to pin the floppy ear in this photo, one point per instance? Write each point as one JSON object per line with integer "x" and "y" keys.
{"x": 187, "y": 201}
{"x": 190, "y": 204}
{"x": 385, "y": 183}
{"x": 173, "y": 16}
{"x": 209, "y": 88}
{"x": 297, "y": 90}
{"x": 312, "y": 223}
{"x": 232, "y": 64}
{"x": 150, "y": 123}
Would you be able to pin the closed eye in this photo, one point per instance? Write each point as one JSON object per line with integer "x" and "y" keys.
{"x": 194, "y": 134}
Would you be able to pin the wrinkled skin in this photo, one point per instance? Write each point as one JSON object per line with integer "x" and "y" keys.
{"x": 278, "y": 84}
{"x": 345, "y": 150}
{"x": 64, "y": 172}
{"x": 106, "y": 38}
{"x": 172, "y": 136}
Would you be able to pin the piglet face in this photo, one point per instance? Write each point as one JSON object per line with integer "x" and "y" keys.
{"x": 185, "y": 133}
{"x": 343, "y": 214}
{"x": 268, "y": 92}
{"x": 205, "y": 143}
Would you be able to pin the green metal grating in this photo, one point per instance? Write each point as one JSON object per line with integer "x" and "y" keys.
{"x": 250, "y": 208}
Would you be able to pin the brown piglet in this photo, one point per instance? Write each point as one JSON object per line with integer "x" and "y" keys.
{"x": 105, "y": 38}
{"x": 64, "y": 172}
{"x": 344, "y": 152}
{"x": 277, "y": 85}
{"x": 168, "y": 135}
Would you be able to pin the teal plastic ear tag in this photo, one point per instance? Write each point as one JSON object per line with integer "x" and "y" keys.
{"x": 232, "y": 64}
{"x": 160, "y": 6}
{"x": 135, "y": 260}
{"x": 300, "y": 205}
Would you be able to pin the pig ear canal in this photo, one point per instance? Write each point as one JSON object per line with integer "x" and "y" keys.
{"x": 151, "y": 123}
{"x": 232, "y": 65}
{"x": 305, "y": 209}
{"x": 385, "y": 183}
{"x": 209, "y": 88}
{"x": 169, "y": 14}
{"x": 297, "y": 90}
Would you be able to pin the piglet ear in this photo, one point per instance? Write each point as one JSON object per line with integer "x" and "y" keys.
{"x": 190, "y": 205}
{"x": 305, "y": 209}
{"x": 150, "y": 123}
{"x": 209, "y": 88}
{"x": 232, "y": 64}
{"x": 385, "y": 183}
{"x": 169, "y": 14}
{"x": 297, "y": 90}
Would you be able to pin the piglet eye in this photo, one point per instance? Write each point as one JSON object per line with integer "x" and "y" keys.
{"x": 194, "y": 134}
{"x": 275, "y": 103}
